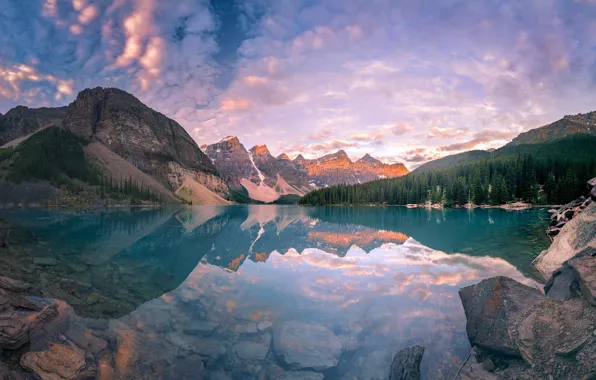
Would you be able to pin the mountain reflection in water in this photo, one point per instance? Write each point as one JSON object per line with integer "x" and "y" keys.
{"x": 379, "y": 278}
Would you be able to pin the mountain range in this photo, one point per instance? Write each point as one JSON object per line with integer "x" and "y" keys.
{"x": 266, "y": 178}
{"x": 121, "y": 145}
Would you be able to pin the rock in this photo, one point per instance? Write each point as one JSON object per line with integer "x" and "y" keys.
{"x": 474, "y": 371}
{"x": 251, "y": 350}
{"x": 406, "y": 364}
{"x": 59, "y": 361}
{"x": 585, "y": 270}
{"x": 575, "y": 237}
{"x": 302, "y": 345}
{"x": 199, "y": 327}
{"x": 593, "y": 194}
{"x": 553, "y": 332}
{"x": 591, "y": 183}
{"x": 13, "y": 285}
{"x": 202, "y": 346}
{"x": 16, "y": 326}
{"x": 562, "y": 284}
{"x": 492, "y": 307}
{"x": 554, "y": 231}
{"x": 86, "y": 340}
{"x": 300, "y": 375}
{"x": 13, "y": 332}
{"x": 488, "y": 365}
{"x": 186, "y": 368}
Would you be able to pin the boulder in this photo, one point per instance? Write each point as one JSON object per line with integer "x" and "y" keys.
{"x": 585, "y": 270}
{"x": 555, "y": 331}
{"x": 577, "y": 235}
{"x": 59, "y": 361}
{"x": 593, "y": 194}
{"x": 306, "y": 346}
{"x": 562, "y": 284}
{"x": 492, "y": 307}
{"x": 591, "y": 183}
{"x": 406, "y": 364}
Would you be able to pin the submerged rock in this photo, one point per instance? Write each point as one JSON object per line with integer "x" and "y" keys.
{"x": 15, "y": 326}
{"x": 202, "y": 346}
{"x": 492, "y": 307}
{"x": 59, "y": 361}
{"x": 306, "y": 346}
{"x": 199, "y": 327}
{"x": 251, "y": 350}
{"x": 13, "y": 285}
{"x": 187, "y": 368}
{"x": 406, "y": 364}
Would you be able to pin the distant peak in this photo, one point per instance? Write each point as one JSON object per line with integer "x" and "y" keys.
{"x": 299, "y": 157}
{"x": 233, "y": 140}
{"x": 284, "y": 156}
{"x": 367, "y": 158}
{"x": 260, "y": 150}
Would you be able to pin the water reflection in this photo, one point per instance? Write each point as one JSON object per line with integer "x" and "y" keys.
{"x": 187, "y": 284}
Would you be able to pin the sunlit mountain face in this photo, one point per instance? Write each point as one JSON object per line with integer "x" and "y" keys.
{"x": 164, "y": 285}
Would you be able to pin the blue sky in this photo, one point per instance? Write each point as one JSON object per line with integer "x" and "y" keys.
{"x": 404, "y": 80}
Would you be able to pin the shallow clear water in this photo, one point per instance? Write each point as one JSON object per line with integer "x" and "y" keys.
{"x": 148, "y": 290}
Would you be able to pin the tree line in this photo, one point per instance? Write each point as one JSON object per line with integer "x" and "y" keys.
{"x": 552, "y": 173}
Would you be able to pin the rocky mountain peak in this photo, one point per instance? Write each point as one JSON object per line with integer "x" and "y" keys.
{"x": 340, "y": 156}
{"x": 260, "y": 150}
{"x": 368, "y": 159}
{"x": 283, "y": 156}
{"x": 137, "y": 133}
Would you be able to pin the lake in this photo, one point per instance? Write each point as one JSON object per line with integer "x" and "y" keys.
{"x": 256, "y": 291}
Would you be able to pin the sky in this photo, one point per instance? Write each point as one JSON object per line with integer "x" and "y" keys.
{"x": 404, "y": 80}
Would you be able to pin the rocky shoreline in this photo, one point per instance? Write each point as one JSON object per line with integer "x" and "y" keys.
{"x": 518, "y": 332}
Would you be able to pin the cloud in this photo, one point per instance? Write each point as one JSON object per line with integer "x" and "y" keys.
{"x": 303, "y": 74}
{"x": 447, "y": 132}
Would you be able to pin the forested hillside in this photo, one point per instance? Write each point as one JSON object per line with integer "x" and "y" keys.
{"x": 550, "y": 173}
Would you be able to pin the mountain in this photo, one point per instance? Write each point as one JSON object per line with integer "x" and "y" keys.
{"x": 256, "y": 174}
{"x": 21, "y": 121}
{"x": 119, "y": 143}
{"x": 569, "y": 125}
{"x": 337, "y": 168}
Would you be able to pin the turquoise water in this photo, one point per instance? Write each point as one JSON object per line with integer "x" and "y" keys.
{"x": 146, "y": 289}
